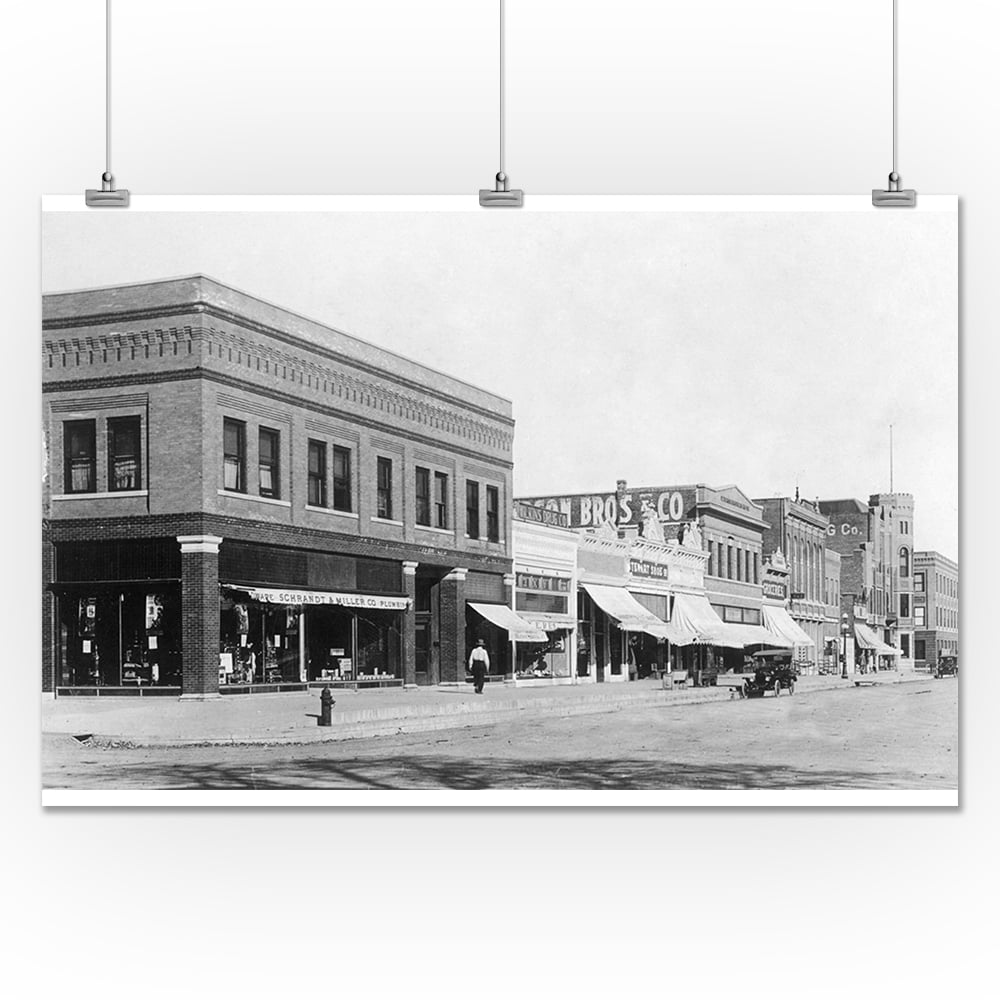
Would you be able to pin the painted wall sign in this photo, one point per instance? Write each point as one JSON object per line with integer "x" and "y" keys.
{"x": 592, "y": 511}
{"x": 540, "y": 515}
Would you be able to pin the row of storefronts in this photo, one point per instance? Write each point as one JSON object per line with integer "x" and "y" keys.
{"x": 237, "y": 499}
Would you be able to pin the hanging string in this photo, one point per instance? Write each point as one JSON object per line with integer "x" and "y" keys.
{"x": 107, "y": 93}
{"x": 501, "y": 176}
{"x": 895, "y": 78}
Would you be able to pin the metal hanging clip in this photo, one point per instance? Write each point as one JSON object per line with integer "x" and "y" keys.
{"x": 895, "y": 196}
{"x": 501, "y": 196}
{"x": 108, "y": 196}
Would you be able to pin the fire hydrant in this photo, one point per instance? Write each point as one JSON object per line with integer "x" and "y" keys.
{"x": 326, "y": 704}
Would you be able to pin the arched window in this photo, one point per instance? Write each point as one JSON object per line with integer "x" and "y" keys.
{"x": 904, "y": 561}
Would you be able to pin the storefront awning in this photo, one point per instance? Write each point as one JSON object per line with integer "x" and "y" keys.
{"x": 633, "y": 617}
{"x": 694, "y": 613}
{"x": 867, "y": 639}
{"x": 780, "y": 624}
{"x": 514, "y": 625}
{"x": 371, "y": 602}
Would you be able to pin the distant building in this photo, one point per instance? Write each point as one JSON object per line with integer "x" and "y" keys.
{"x": 935, "y": 608}
{"x": 875, "y": 542}
{"x": 799, "y": 531}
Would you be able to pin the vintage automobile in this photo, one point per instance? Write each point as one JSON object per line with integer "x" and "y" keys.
{"x": 947, "y": 666}
{"x": 773, "y": 670}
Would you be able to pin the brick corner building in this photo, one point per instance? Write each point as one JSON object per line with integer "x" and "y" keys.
{"x": 237, "y": 498}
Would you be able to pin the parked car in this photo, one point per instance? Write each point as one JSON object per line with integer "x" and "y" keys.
{"x": 947, "y": 666}
{"x": 773, "y": 670}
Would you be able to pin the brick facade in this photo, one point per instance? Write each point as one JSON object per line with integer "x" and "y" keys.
{"x": 183, "y": 356}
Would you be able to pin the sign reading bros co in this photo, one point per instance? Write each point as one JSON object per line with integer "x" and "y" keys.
{"x": 594, "y": 510}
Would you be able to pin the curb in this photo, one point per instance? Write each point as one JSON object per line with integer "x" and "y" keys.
{"x": 377, "y": 722}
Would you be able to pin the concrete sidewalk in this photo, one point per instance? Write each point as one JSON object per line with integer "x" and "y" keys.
{"x": 292, "y": 718}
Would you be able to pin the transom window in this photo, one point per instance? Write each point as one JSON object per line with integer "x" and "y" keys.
{"x": 80, "y": 454}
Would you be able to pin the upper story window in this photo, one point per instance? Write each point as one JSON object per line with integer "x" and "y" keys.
{"x": 472, "y": 508}
{"x": 341, "y": 478}
{"x": 919, "y": 615}
{"x": 904, "y": 605}
{"x": 904, "y": 561}
{"x": 440, "y": 500}
{"x": 80, "y": 453}
{"x": 918, "y": 582}
{"x": 423, "y": 489}
{"x": 234, "y": 455}
{"x": 316, "y": 493}
{"x": 383, "y": 506}
{"x": 268, "y": 451}
{"x": 492, "y": 514}
{"x": 124, "y": 454}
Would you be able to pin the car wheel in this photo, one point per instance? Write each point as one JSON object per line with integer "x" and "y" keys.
{"x": 777, "y": 689}
{"x": 791, "y": 687}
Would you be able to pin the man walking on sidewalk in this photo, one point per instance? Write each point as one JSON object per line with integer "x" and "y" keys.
{"x": 479, "y": 663}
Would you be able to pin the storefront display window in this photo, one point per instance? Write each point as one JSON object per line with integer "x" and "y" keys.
{"x": 120, "y": 638}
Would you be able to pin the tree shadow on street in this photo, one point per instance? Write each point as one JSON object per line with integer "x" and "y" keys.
{"x": 460, "y": 773}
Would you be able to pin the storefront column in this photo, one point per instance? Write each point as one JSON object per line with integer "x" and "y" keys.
{"x": 409, "y": 649}
{"x": 452, "y": 630}
{"x": 508, "y": 599}
{"x": 50, "y": 627}
{"x": 200, "y": 616}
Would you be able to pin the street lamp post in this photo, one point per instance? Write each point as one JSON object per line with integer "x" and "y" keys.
{"x": 844, "y": 629}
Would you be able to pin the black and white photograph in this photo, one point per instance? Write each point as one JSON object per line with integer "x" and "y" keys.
{"x": 610, "y": 495}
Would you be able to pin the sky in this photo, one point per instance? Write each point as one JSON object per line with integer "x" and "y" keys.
{"x": 770, "y": 349}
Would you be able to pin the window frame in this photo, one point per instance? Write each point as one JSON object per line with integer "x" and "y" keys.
{"x": 343, "y": 485}
{"x": 133, "y": 421}
{"x": 383, "y": 489}
{"x": 241, "y": 454}
{"x": 318, "y": 476}
{"x": 274, "y": 467}
{"x": 920, "y": 616}
{"x": 440, "y": 500}
{"x": 492, "y": 513}
{"x": 68, "y": 459}
{"x": 422, "y": 493}
{"x": 472, "y": 508}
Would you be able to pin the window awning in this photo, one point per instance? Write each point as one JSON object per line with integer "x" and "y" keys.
{"x": 633, "y": 617}
{"x": 514, "y": 625}
{"x": 867, "y": 639}
{"x": 277, "y": 595}
{"x": 780, "y": 623}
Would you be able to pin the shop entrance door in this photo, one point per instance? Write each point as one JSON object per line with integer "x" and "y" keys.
{"x": 422, "y": 648}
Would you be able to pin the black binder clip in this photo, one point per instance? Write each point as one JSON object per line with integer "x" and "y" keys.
{"x": 501, "y": 196}
{"x": 894, "y": 197}
{"x": 109, "y": 196}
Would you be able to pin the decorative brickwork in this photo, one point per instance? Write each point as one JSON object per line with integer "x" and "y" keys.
{"x": 452, "y": 637}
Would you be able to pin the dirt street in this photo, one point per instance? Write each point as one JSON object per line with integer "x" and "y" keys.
{"x": 895, "y": 737}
